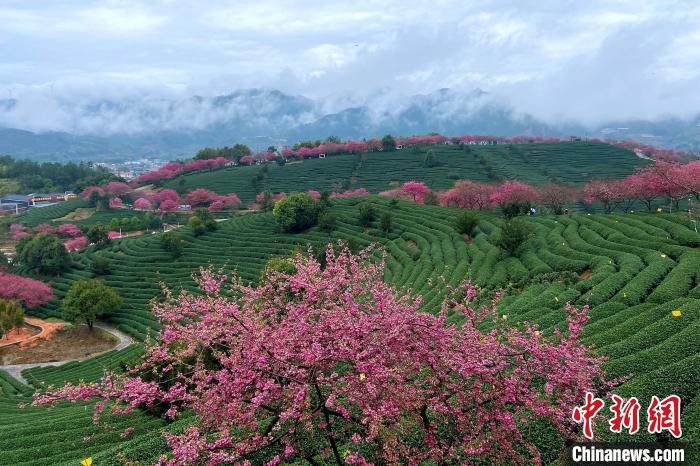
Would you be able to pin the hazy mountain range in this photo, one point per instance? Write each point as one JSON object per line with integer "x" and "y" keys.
{"x": 64, "y": 129}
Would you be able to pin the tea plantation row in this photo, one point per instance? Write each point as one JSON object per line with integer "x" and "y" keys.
{"x": 566, "y": 162}
{"x": 633, "y": 270}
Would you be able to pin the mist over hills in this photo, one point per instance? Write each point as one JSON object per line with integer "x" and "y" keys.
{"x": 50, "y": 128}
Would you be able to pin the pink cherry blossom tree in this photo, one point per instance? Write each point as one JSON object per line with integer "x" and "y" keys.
{"x": 116, "y": 203}
{"x": 555, "y": 196}
{"x": 31, "y": 293}
{"x": 77, "y": 243}
{"x": 607, "y": 192}
{"x": 416, "y": 190}
{"x": 200, "y": 197}
{"x": 325, "y": 357}
{"x": 69, "y": 229}
{"x": 352, "y": 193}
{"x": 85, "y": 193}
{"x": 467, "y": 195}
{"x": 18, "y": 231}
{"x": 230, "y": 201}
{"x": 44, "y": 228}
{"x": 143, "y": 204}
{"x": 514, "y": 192}
{"x": 118, "y": 188}
{"x": 166, "y": 194}
{"x": 168, "y": 205}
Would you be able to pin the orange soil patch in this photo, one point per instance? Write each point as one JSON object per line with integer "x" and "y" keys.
{"x": 29, "y": 337}
{"x": 16, "y": 335}
{"x": 65, "y": 344}
{"x": 411, "y": 243}
{"x": 585, "y": 275}
{"x": 467, "y": 239}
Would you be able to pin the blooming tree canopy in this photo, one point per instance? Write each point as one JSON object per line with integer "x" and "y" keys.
{"x": 31, "y": 293}
{"x": 168, "y": 205}
{"x": 166, "y": 194}
{"x": 467, "y": 195}
{"x": 143, "y": 204}
{"x": 77, "y": 243}
{"x": 200, "y": 197}
{"x": 608, "y": 193}
{"x": 115, "y": 203}
{"x": 325, "y": 358}
{"x": 69, "y": 229}
{"x": 85, "y": 193}
{"x": 514, "y": 192}
{"x": 44, "y": 228}
{"x": 118, "y": 188}
{"x": 18, "y": 231}
{"x": 229, "y": 201}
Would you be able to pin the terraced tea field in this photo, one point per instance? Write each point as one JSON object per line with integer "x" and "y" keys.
{"x": 632, "y": 269}
{"x": 569, "y": 162}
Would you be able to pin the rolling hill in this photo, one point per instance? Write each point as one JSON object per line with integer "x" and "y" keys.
{"x": 566, "y": 162}
{"x": 632, "y": 269}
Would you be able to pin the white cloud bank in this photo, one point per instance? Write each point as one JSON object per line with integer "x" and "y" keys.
{"x": 585, "y": 61}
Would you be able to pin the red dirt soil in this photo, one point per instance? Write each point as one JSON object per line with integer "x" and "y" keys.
{"x": 29, "y": 338}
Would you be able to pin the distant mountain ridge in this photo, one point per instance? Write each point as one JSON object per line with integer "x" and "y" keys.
{"x": 177, "y": 128}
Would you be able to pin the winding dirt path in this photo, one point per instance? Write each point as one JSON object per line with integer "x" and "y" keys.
{"x": 15, "y": 370}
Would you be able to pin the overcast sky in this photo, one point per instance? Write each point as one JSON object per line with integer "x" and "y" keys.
{"x": 556, "y": 59}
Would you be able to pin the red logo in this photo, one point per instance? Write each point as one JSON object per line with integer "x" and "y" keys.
{"x": 661, "y": 415}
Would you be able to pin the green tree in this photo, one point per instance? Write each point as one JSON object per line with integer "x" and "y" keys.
{"x": 197, "y": 225}
{"x": 88, "y": 300}
{"x": 388, "y": 143}
{"x": 43, "y": 253}
{"x": 97, "y": 234}
{"x": 207, "y": 218}
{"x": 514, "y": 233}
{"x": 240, "y": 150}
{"x": 11, "y": 316}
{"x": 135, "y": 223}
{"x": 296, "y": 212}
{"x": 430, "y": 161}
{"x": 114, "y": 224}
{"x": 99, "y": 266}
{"x": 385, "y": 223}
{"x": 467, "y": 222}
{"x": 366, "y": 214}
{"x": 327, "y": 221}
{"x": 173, "y": 244}
{"x": 267, "y": 204}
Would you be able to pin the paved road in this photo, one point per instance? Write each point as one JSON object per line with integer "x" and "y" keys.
{"x": 15, "y": 370}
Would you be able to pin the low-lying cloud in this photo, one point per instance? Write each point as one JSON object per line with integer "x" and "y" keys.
{"x": 126, "y": 66}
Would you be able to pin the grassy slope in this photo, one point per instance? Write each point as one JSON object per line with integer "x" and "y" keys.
{"x": 632, "y": 290}
{"x": 533, "y": 163}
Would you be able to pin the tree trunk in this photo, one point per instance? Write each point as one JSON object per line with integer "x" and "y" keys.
{"x": 90, "y": 323}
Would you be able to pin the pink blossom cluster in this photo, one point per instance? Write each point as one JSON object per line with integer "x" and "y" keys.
{"x": 351, "y": 193}
{"x": 665, "y": 178}
{"x": 259, "y": 157}
{"x": 173, "y": 169}
{"x": 69, "y": 230}
{"x": 143, "y": 204}
{"x": 44, "y": 228}
{"x": 77, "y": 243}
{"x": 31, "y": 293}
{"x": 85, "y": 193}
{"x": 331, "y": 356}
{"x": 229, "y": 201}
{"x": 118, "y": 188}
{"x": 18, "y": 231}
{"x": 116, "y": 203}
